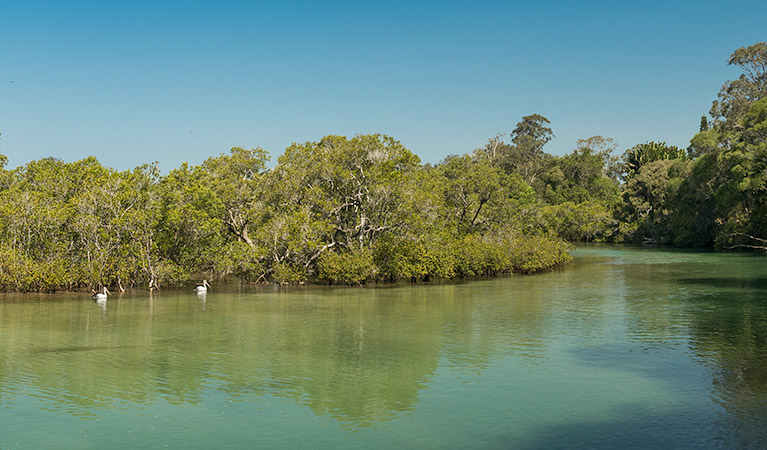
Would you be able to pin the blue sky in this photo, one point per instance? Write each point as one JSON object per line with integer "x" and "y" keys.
{"x": 135, "y": 82}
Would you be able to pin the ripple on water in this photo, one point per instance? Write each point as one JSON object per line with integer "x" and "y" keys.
{"x": 631, "y": 349}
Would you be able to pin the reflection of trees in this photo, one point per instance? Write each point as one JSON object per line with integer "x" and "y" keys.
{"x": 363, "y": 356}
{"x": 672, "y": 297}
{"x": 724, "y": 319}
{"x": 344, "y": 353}
{"x": 358, "y": 355}
{"x": 655, "y": 303}
{"x": 731, "y": 334}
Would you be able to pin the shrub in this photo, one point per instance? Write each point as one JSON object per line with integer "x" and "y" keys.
{"x": 346, "y": 267}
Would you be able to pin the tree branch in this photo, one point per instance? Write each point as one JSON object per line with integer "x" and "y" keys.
{"x": 754, "y": 238}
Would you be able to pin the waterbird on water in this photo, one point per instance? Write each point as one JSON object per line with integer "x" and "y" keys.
{"x": 101, "y": 296}
{"x": 202, "y": 287}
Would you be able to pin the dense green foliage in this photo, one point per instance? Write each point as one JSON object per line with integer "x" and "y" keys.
{"x": 365, "y": 209}
{"x": 710, "y": 194}
{"x": 715, "y": 194}
{"x": 338, "y": 210}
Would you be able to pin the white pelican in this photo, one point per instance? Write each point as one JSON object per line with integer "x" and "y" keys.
{"x": 101, "y": 296}
{"x": 203, "y": 287}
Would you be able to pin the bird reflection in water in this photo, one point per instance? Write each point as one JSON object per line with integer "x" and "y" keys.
{"x": 202, "y": 296}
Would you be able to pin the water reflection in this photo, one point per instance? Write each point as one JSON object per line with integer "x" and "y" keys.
{"x": 202, "y": 296}
{"x": 723, "y": 321}
{"x": 366, "y": 357}
{"x": 102, "y": 305}
{"x": 356, "y": 355}
{"x": 731, "y": 338}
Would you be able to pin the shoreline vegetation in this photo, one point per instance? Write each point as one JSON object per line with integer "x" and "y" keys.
{"x": 365, "y": 209}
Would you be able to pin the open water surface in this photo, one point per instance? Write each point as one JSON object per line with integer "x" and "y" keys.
{"x": 624, "y": 348}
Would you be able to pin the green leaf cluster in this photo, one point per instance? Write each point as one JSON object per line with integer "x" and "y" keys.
{"x": 340, "y": 210}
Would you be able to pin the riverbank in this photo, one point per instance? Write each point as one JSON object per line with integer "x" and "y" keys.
{"x": 471, "y": 257}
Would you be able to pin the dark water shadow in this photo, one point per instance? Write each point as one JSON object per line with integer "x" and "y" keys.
{"x": 726, "y": 282}
{"x": 636, "y": 427}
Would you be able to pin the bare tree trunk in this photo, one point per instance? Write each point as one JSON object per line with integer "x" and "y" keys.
{"x": 244, "y": 236}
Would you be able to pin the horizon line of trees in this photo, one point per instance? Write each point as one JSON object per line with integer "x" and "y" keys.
{"x": 365, "y": 209}
{"x": 337, "y": 210}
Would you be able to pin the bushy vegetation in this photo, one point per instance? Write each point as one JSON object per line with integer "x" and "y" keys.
{"x": 364, "y": 209}
{"x": 711, "y": 194}
{"x": 714, "y": 193}
{"x": 338, "y": 210}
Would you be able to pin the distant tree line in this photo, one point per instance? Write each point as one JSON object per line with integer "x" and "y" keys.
{"x": 711, "y": 194}
{"x": 714, "y": 193}
{"x": 365, "y": 209}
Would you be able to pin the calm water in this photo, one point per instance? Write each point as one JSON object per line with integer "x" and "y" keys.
{"x": 625, "y": 348}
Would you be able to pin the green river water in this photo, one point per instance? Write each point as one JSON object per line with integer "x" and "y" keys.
{"x": 623, "y": 348}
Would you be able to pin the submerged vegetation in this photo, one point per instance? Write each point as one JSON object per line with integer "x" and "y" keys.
{"x": 365, "y": 209}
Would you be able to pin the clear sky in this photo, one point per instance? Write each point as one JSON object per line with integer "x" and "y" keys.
{"x": 133, "y": 82}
